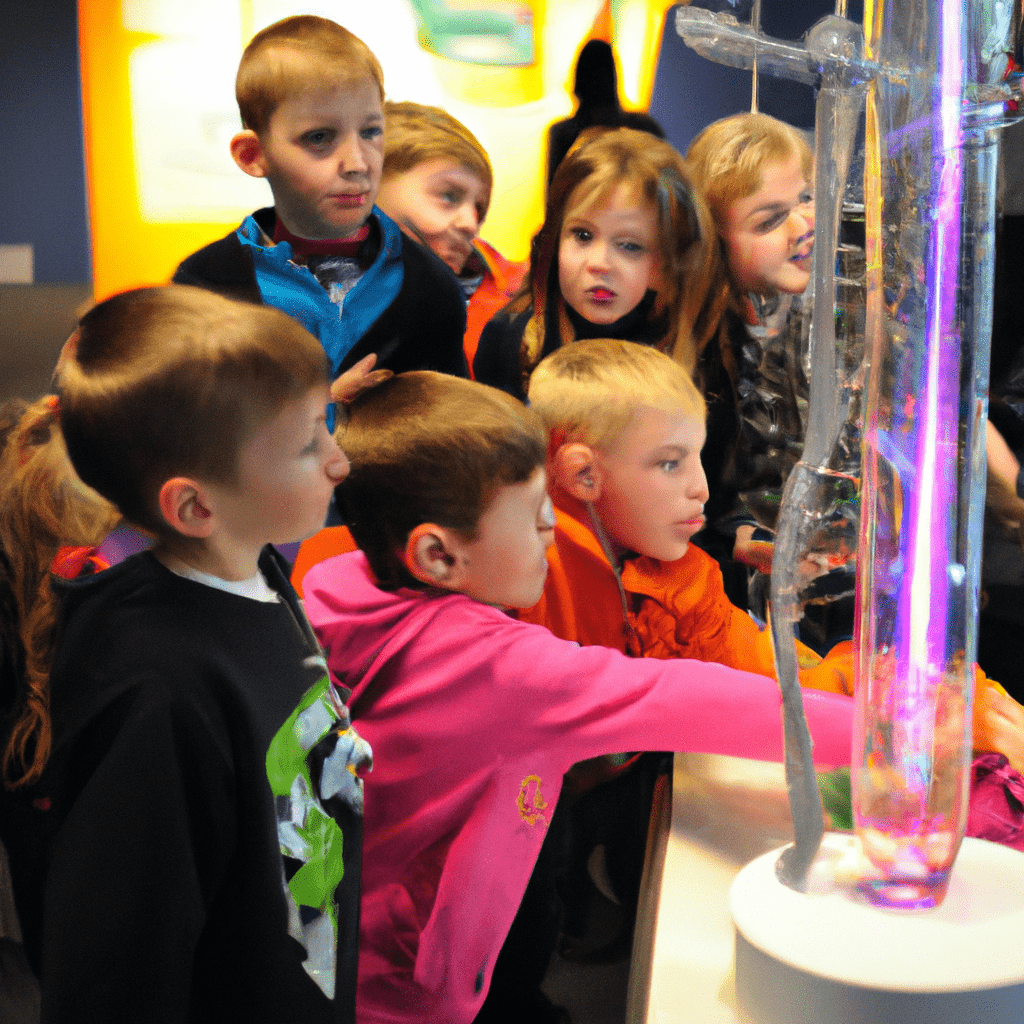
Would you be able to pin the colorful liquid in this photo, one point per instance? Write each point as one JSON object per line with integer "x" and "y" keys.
{"x": 913, "y": 869}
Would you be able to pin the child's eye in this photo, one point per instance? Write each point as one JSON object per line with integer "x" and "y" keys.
{"x": 451, "y": 196}
{"x": 807, "y": 199}
{"x": 632, "y": 248}
{"x": 668, "y": 465}
{"x": 582, "y": 235}
{"x": 373, "y": 131}
{"x": 772, "y": 222}
{"x": 318, "y": 138}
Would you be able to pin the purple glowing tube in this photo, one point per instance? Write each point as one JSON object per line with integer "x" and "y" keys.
{"x": 930, "y": 191}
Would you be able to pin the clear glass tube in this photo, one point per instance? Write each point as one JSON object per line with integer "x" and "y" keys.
{"x": 930, "y": 175}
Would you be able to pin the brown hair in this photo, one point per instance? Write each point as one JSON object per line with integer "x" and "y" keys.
{"x": 727, "y": 160}
{"x": 43, "y": 507}
{"x": 174, "y": 381}
{"x": 426, "y": 447}
{"x": 414, "y": 134}
{"x": 590, "y": 390}
{"x": 688, "y": 251}
{"x": 296, "y": 55}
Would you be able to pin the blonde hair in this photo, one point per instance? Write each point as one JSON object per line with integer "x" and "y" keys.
{"x": 427, "y": 447}
{"x": 174, "y": 381}
{"x": 297, "y": 55}
{"x": 688, "y": 252}
{"x": 43, "y": 507}
{"x": 590, "y": 391}
{"x": 727, "y": 160}
{"x": 414, "y": 134}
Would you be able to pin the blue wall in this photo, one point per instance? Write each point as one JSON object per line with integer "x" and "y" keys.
{"x": 691, "y": 92}
{"x": 42, "y": 167}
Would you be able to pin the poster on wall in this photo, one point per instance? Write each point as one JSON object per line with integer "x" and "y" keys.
{"x": 159, "y": 108}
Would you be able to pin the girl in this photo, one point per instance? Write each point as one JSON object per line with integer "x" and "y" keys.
{"x": 49, "y": 522}
{"x": 43, "y": 507}
{"x": 755, "y": 173}
{"x": 627, "y": 251}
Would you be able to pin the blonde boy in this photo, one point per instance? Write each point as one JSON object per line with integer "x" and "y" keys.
{"x": 475, "y": 717}
{"x": 436, "y": 186}
{"x": 311, "y": 98}
{"x": 626, "y": 427}
{"x": 200, "y": 815}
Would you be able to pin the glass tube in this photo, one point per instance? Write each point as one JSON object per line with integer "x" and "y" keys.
{"x": 930, "y": 176}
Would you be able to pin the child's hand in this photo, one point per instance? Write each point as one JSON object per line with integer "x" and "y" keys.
{"x": 998, "y": 721}
{"x": 756, "y": 553}
{"x": 834, "y": 673}
{"x": 357, "y": 379}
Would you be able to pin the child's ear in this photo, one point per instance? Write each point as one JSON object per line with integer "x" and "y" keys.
{"x": 575, "y": 469}
{"x": 247, "y": 152}
{"x": 429, "y": 556}
{"x": 184, "y": 507}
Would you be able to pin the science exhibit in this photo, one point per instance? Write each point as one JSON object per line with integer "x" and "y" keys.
{"x": 904, "y": 918}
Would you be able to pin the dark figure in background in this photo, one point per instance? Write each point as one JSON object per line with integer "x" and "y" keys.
{"x": 597, "y": 89}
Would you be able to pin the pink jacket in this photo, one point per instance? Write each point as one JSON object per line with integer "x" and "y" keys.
{"x": 473, "y": 718}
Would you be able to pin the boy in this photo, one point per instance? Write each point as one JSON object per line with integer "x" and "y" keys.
{"x": 310, "y": 94}
{"x": 200, "y": 815}
{"x": 626, "y": 429}
{"x": 474, "y": 716}
{"x": 436, "y": 186}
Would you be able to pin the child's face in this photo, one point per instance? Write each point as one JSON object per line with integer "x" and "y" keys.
{"x": 607, "y": 256}
{"x": 440, "y": 203}
{"x": 653, "y": 487}
{"x": 322, "y": 153}
{"x": 506, "y": 563}
{"x": 286, "y": 476}
{"x": 769, "y": 235}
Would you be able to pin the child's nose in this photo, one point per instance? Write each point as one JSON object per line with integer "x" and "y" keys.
{"x": 597, "y": 256}
{"x": 351, "y": 159}
{"x": 466, "y": 220}
{"x": 699, "y": 485}
{"x": 801, "y": 220}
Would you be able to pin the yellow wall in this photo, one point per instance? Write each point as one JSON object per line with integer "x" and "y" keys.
{"x": 158, "y": 99}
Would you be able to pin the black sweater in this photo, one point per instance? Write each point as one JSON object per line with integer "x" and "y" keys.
{"x": 149, "y": 863}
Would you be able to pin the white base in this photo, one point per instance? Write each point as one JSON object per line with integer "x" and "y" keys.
{"x": 798, "y": 952}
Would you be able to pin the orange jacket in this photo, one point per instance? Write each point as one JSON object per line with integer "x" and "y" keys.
{"x": 501, "y": 281}
{"x": 675, "y": 609}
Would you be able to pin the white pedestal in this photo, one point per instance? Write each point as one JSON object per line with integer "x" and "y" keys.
{"x": 825, "y": 957}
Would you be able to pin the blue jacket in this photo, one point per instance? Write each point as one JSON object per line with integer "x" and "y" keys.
{"x": 407, "y": 307}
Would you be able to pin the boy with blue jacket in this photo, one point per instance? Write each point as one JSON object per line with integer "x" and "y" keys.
{"x": 311, "y": 99}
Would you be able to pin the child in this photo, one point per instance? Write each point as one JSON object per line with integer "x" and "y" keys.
{"x": 756, "y": 174}
{"x": 310, "y": 95}
{"x": 626, "y": 429}
{"x": 198, "y": 820}
{"x": 627, "y": 250}
{"x": 475, "y": 717}
{"x": 49, "y": 520}
{"x": 436, "y": 186}
{"x": 50, "y": 523}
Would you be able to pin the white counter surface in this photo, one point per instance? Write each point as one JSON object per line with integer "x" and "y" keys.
{"x": 722, "y": 812}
